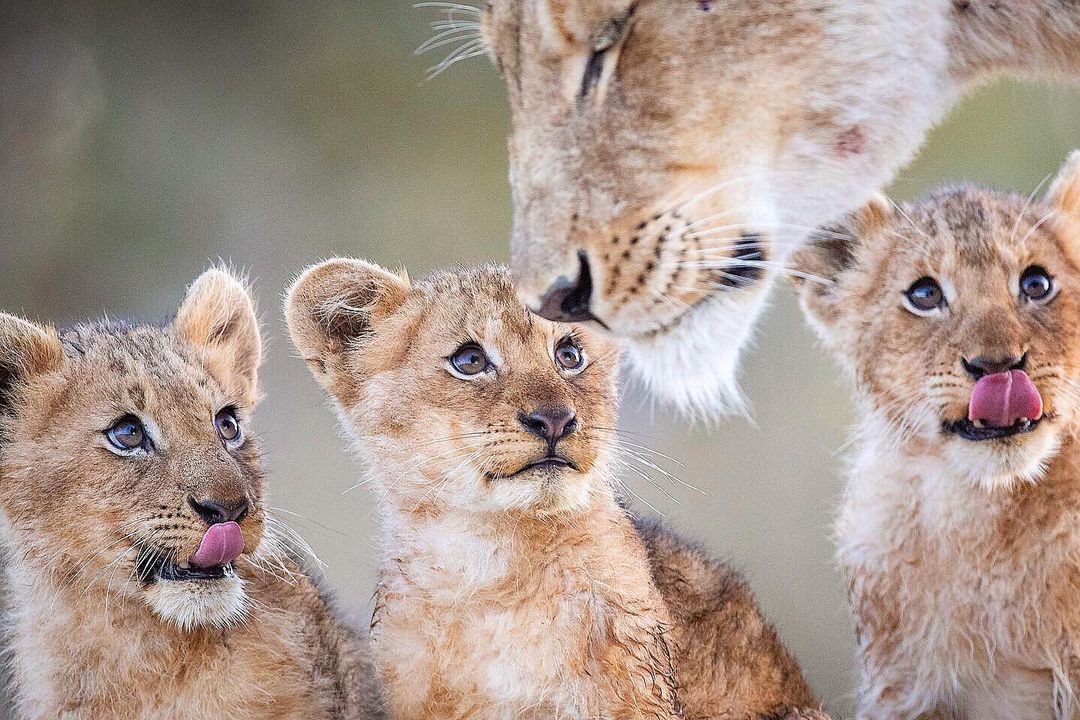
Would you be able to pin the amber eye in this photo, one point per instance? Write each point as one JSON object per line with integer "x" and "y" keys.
{"x": 469, "y": 360}
{"x": 127, "y": 434}
{"x": 228, "y": 427}
{"x": 925, "y": 295}
{"x": 1036, "y": 284}
{"x": 569, "y": 356}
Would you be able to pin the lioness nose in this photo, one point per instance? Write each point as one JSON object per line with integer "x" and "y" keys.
{"x": 981, "y": 365}
{"x": 567, "y": 300}
{"x": 213, "y": 512}
{"x": 551, "y": 424}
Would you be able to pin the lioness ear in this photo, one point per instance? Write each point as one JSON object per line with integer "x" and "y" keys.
{"x": 830, "y": 252}
{"x": 218, "y": 317}
{"x": 26, "y": 349}
{"x": 1064, "y": 194}
{"x": 331, "y": 306}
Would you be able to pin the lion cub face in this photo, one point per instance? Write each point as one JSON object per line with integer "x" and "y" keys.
{"x": 960, "y": 317}
{"x": 127, "y": 465}
{"x": 667, "y": 155}
{"x": 458, "y": 397}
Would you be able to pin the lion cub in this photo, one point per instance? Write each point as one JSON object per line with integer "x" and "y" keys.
{"x": 514, "y": 584}
{"x": 144, "y": 576}
{"x": 960, "y": 528}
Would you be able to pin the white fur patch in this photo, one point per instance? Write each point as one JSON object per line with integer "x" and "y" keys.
{"x": 188, "y": 605}
{"x": 693, "y": 367}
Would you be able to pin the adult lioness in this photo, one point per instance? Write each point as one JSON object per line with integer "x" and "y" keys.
{"x": 666, "y": 155}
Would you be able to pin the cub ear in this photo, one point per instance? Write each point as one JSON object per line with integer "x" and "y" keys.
{"x": 1064, "y": 194}
{"x": 331, "y": 307}
{"x": 829, "y": 252}
{"x": 26, "y": 349}
{"x": 218, "y": 317}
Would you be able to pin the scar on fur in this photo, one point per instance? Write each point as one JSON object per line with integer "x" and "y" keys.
{"x": 851, "y": 142}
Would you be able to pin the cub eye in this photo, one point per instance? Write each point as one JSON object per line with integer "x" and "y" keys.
{"x": 469, "y": 360}
{"x": 925, "y": 295}
{"x": 1036, "y": 284}
{"x": 127, "y": 434}
{"x": 228, "y": 427}
{"x": 569, "y": 356}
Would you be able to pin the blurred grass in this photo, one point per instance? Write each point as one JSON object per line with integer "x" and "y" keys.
{"x": 140, "y": 142}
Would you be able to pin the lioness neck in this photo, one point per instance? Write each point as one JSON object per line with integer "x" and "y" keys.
{"x": 1033, "y": 37}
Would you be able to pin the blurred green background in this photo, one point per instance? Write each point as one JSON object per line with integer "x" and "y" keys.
{"x": 140, "y": 142}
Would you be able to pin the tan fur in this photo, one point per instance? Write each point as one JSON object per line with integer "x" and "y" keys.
{"x": 91, "y": 632}
{"x": 963, "y": 557}
{"x": 532, "y": 595}
{"x": 718, "y": 134}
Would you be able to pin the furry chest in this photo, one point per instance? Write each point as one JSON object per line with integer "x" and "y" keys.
{"x": 960, "y": 610}
{"x": 496, "y": 657}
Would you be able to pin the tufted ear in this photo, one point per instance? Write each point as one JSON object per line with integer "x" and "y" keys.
{"x": 218, "y": 317}
{"x": 26, "y": 349}
{"x": 1064, "y": 194}
{"x": 331, "y": 307}
{"x": 830, "y": 252}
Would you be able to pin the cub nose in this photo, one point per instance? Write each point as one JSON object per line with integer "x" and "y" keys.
{"x": 550, "y": 424}
{"x": 567, "y": 300}
{"x": 213, "y": 512}
{"x": 981, "y": 365}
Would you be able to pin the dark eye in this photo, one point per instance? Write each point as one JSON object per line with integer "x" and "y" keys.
{"x": 470, "y": 359}
{"x": 925, "y": 295}
{"x": 1036, "y": 284}
{"x": 602, "y": 41}
{"x": 569, "y": 356}
{"x": 227, "y": 425}
{"x": 127, "y": 433}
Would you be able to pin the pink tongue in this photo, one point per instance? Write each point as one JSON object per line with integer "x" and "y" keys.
{"x": 999, "y": 400}
{"x": 221, "y": 544}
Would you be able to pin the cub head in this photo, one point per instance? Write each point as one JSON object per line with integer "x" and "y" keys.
{"x": 127, "y": 466}
{"x": 458, "y": 397}
{"x": 667, "y": 155}
{"x": 960, "y": 318}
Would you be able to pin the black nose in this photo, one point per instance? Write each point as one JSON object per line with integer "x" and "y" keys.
{"x": 567, "y": 300}
{"x": 213, "y": 512}
{"x": 551, "y": 424}
{"x": 981, "y": 365}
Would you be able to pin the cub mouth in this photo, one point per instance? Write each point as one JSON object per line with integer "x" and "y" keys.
{"x": 1002, "y": 404}
{"x": 221, "y": 544}
{"x": 154, "y": 566}
{"x": 553, "y": 463}
{"x": 978, "y": 432}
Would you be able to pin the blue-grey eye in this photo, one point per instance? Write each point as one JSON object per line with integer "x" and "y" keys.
{"x": 1036, "y": 284}
{"x": 568, "y": 355}
{"x": 127, "y": 433}
{"x": 470, "y": 359}
{"x": 228, "y": 427}
{"x": 925, "y": 294}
